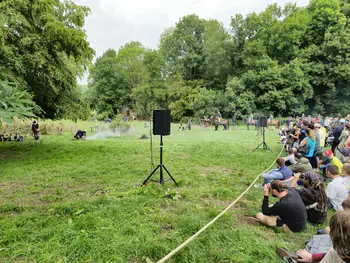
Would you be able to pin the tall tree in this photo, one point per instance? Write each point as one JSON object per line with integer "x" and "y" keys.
{"x": 43, "y": 43}
{"x": 109, "y": 89}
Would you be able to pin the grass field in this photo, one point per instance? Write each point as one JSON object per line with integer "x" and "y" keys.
{"x": 81, "y": 201}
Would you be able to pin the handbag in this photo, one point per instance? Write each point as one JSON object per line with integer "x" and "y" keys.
{"x": 304, "y": 149}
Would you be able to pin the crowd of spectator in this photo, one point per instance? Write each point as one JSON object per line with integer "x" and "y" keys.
{"x": 309, "y": 182}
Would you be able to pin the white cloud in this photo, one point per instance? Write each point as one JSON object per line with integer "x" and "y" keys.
{"x": 116, "y": 22}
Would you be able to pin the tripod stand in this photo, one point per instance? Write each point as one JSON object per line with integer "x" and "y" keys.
{"x": 160, "y": 166}
{"x": 265, "y": 146}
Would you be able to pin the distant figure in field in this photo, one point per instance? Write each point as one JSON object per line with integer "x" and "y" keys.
{"x": 80, "y": 135}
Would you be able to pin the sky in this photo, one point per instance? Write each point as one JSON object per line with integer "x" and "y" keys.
{"x": 113, "y": 23}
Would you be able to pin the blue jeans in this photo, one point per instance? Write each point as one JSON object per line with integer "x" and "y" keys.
{"x": 272, "y": 175}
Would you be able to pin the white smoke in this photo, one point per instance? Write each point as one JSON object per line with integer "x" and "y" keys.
{"x": 105, "y": 134}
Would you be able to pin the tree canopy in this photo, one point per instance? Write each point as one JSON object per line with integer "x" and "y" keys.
{"x": 284, "y": 60}
{"x": 43, "y": 46}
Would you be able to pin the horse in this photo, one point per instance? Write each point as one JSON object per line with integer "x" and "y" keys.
{"x": 219, "y": 121}
{"x": 276, "y": 123}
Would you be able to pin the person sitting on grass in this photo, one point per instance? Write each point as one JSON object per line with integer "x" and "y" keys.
{"x": 302, "y": 164}
{"x": 339, "y": 253}
{"x": 282, "y": 172}
{"x": 290, "y": 210}
{"x": 336, "y": 190}
{"x": 290, "y": 159}
{"x": 313, "y": 195}
{"x": 346, "y": 173}
{"x": 334, "y": 160}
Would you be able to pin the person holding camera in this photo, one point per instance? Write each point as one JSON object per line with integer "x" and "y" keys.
{"x": 313, "y": 195}
{"x": 290, "y": 210}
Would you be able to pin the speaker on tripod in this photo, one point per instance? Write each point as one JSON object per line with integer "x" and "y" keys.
{"x": 263, "y": 125}
{"x": 161, "y": 126}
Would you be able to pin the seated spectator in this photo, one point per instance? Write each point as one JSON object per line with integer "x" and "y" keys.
{"x": 290, "y": 210}
{"x": 313, "y": 195}
{"x": 290, "y": 159}
{"x": 302, "y": 164}
{"x": 334, "y": 160}
{"x": 346, "y": 173}
{"x": 339, "y": 253}
{"x": 336, "y": 190}
{"x": 281, "y": 173}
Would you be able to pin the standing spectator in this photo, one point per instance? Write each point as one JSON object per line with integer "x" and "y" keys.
{"x": 327, "y": 123}
{"x": 336, "y": 190}
{"x": 342, "y": 140}
{"x": 336, "y": 133}
{"x": 307, "y": 147}
{"x": 324, "y": 135}
{"x": 296, "y": 136}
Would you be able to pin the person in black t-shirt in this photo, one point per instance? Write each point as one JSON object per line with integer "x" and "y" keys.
{"x": 290, "y": 210}
{"x": 313, "y": 195}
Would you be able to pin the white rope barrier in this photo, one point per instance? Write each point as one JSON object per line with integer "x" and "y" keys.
{"x": 189, "y": 240}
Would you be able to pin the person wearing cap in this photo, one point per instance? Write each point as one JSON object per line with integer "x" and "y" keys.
{"x": 313, "y": 195}
{"x": 334, "y": 160}
{"x": 290, "y": 210}
{"x": 336, "y": 190}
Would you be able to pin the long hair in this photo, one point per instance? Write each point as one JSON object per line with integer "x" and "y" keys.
{"x": 313, "y": 180}
{"x": 340, "y": 233}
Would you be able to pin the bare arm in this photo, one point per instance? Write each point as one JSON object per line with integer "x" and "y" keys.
{"x": 295, "y": 180}
{"x": 303, "y": 142}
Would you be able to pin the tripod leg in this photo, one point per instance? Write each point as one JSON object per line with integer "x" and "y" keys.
{"x": 267, "y": 147}
{"x": 172, "y": 178}
{"x": 145, "y": 182}
{"x": 258, "y": 147}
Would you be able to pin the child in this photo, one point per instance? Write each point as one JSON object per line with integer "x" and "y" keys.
{"x": 334, "y": 160}
{"x": 290, "y": 159}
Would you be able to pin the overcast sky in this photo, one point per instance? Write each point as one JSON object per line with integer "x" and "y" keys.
{"x": 113, "y": 23}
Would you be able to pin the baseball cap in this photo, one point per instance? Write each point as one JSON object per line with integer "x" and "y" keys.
{"x": 328, "y": 153}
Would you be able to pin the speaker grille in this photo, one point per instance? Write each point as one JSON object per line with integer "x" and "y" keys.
{"x": 263, "y": 121}
{"x": 161, "y": 122}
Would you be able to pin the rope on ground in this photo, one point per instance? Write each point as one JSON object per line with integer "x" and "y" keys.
{"x": 189, "y": 240}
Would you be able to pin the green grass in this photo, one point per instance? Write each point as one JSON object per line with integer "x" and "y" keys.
{"x": 81, "y": 201}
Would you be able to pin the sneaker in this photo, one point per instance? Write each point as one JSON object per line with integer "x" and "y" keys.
{"x": 259, "y": 186}
{"x": 282, "y": 253}
{"x": 290, "y": 259}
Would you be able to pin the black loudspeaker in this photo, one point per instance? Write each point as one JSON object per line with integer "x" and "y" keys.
{"x": 161, "y": 122}
{"x": 263, "y": 121}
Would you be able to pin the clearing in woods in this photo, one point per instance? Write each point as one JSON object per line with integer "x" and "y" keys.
{"x": 81, "y": 201}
